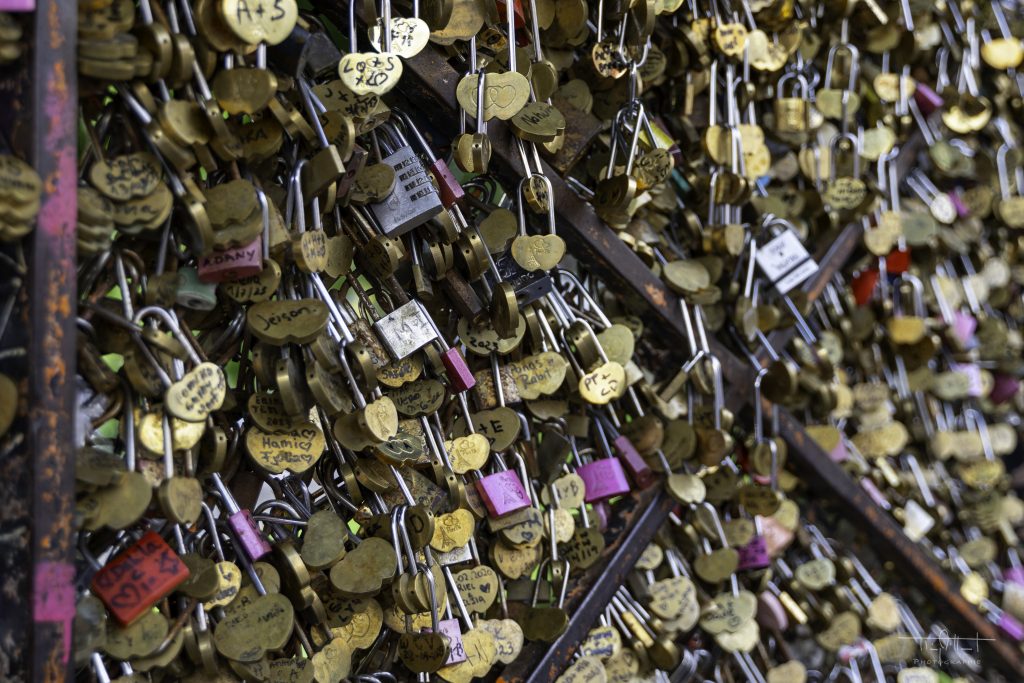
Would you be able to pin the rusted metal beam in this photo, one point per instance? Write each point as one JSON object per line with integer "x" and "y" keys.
{"x": 630, "y": 532}
{"x": 52, "y": 308}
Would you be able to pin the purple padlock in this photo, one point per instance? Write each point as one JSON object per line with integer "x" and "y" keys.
{"x": 1004, "y": 388}
{"x": 964, "y": 325}
{"x": 839, "y": 453}
{"x": 232, "y": 264}
{"x": 874, "y": 493}
{"x": 17, "y": 5}
{"x": 927, "y": 99}
{"x": 502, "y": 493}
{"x": 1011, "y": 627}
{"x": 754, "y": 555}
{"x": 450, "y": 628}
{"x": 1014, "y": 575}
{"x": 253, "y": 544}
{"x": 975, "y": 386}
{"x": 961, "y": 209}
{"x": 604, "y": 478}
{"x": 639, "y": 471}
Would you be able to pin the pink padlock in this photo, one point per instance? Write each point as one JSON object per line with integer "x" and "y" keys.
{"x": 1004, "y": 388}
{"x": 1011, "y": 627}
{"x": 927, "y": 99}
{"x": 1014, "y": 575}
{"x": 460, "y": 377}
{"x": 975, "y": 385}
{"x": 450, "y": 627}
{"x": 232, "y": 264}
{"x": 876, "y": 495}
{"x": 639, "y": 471}
{"x": 839, "y": 453}
{"x": 963, "y": 327}
{"x": 248, "y": 535}
{"x": 17, "y": 5}
{"x": 502, "y": 493}
{"x": 961, "y": 209}
{"x": 754, "y": 555}
{"x": 604, "y": 478}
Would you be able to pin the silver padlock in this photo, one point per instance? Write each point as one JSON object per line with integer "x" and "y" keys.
{"x": 405, "y": 330}
{"x": 415, "y": 200}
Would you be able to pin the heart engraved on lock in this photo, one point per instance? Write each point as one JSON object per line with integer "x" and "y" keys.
{"x": 295, "y": 449}
{"x": 673, "y": 598}
{"x": 197, "y": 394}
{"x": 417, "y": 398}
{"x": 362, "y": 572}
{"x": 508, "y": 638}
{"x": 506, "y": 93}
{"x": 602, "y": 642}
{"x": 452, "y": 530}
{"x": 817, "y": 574}
{"x": 538, "y": 252}
{"x": 499, "y": 426}
{"x": 478, "y": 586}
{"x": 367, "y": 73}
{"x": 718, "y": 565}
{"x": 728, "y": 612}
{"x": 571, "y": 491}
{"x": 409, "y": 35}
{"x": 423, "y": 652}
{"x": 604, "y": 384}
{"x": 287, "y": 321}
{"x": 742, "y": 639}
{"x": 127, "y": 176}
{"x": 540, "y": 374}
{"x": 585, "y": 547}
{"x": 138, "y": 640}
{"x": 323, "y": 544}
{"x": 468, "y": 453}
{"x": 844, "y": 630}
{"x": 333, "y": 662}
{"x": 248, "y": 632}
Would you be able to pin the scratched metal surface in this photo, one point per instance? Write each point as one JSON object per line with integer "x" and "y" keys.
{"x": 39, "y": 98}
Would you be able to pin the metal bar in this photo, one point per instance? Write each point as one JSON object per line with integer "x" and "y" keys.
{"x": 631, "y": 531}
{"x": 888, "y": 538}
{"x": 52, "y": 308}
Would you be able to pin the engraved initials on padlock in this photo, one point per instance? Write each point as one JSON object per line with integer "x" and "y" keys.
{"x": 604, "y": 478}
{"x": 502, "y": 493}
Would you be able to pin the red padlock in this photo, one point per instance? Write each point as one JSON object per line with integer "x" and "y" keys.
{"x": 138, "y": 578}
{"x": 460, "y": 377}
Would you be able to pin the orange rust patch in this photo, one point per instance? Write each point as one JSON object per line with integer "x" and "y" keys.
{"x": 656, "y": 295}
